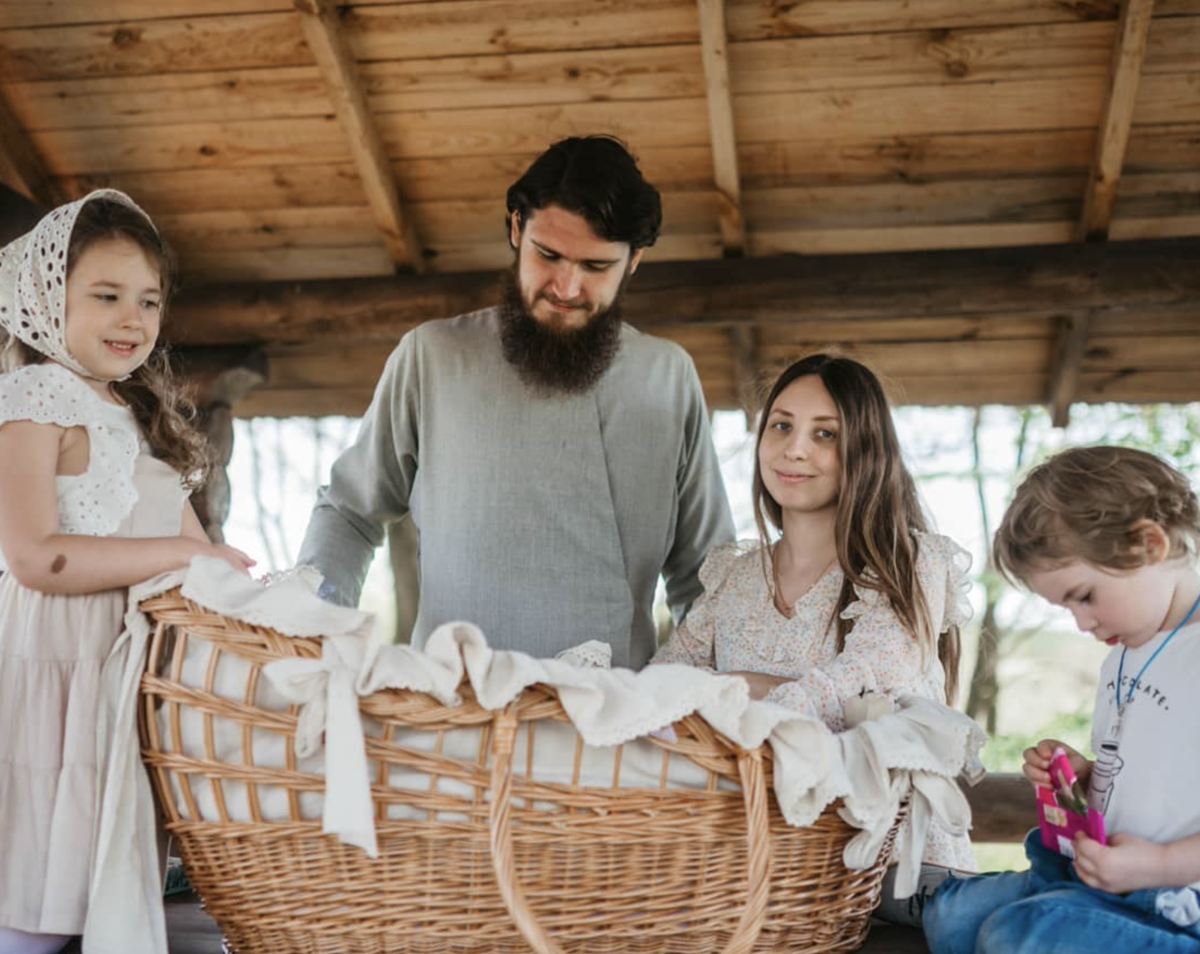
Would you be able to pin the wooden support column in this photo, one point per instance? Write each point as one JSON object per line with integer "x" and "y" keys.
{"x": 745, "y": 369}
{"x": 221, "y": 376}
{"x": 21, "y": 168}
{"x": 715, "y": 53}
{"x": 1068, "y": 362}
{"x": 323, "y": 32}
{"x": 1116, "y": 120}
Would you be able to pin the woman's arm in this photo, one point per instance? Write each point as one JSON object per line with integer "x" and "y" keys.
{"x": 694, "y": 642}
{"x": 691, "y": 644}
{"x": 880, "y": 655}
{"x": 41, "y": 558}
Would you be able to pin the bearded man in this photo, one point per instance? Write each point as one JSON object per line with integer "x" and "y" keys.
{"x": 554, "y": 460}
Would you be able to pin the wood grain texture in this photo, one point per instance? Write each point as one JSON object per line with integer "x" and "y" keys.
{"x": 1116, "y": 119}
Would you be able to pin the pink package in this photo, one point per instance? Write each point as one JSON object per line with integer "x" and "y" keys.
{"x": 1063, "y": 811}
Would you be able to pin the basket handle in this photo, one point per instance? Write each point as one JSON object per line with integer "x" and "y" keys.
{"x": 758, "y": 866}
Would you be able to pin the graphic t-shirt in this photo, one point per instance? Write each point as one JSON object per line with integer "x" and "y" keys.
{"x": 1147, "y": 774}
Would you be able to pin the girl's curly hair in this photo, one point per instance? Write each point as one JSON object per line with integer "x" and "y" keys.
{"x": 1086, "y": 504}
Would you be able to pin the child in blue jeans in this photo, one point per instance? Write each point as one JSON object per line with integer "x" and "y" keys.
{"x": 1111, "y": 534}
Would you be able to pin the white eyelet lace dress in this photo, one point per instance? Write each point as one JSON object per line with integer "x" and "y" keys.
{"x": 52, "y": 648}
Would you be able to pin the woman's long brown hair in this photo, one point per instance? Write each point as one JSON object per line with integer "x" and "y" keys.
{"x": 877, "y": 506}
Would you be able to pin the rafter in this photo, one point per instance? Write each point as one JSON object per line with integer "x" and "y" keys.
{"x": 1068, "y": 365}
{"x": 323, "y": 32}
{"x": 20, "y": 165}
{"x": 1116, "y": 119}
{"x": 715, "y": 53}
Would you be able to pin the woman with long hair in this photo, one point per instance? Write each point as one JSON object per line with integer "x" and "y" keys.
{"x": 846, "y": 592}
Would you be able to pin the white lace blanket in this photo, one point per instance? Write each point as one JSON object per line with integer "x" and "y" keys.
{"x": 920, "y": 748}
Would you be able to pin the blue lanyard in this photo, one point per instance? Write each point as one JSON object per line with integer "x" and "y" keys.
{"x": 1146, "y": 665}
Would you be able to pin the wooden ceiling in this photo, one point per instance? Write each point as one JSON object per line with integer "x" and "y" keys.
{"x": 332, "y": 175}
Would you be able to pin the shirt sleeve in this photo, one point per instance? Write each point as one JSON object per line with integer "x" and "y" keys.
{"x": 695, "y": 639}
{"x": 881, "y": 654}
{"x": 703, "y": 521}
{"x": 370, "y": 483}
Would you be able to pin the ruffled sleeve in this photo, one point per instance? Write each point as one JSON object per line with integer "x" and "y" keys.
{"x": 942, "y": 566}
{"x": 694, "y": 640}
{"x": 881, "y": 654}
{"x": 95, "y": 502}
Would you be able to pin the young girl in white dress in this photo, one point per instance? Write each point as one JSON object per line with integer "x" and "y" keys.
{"x": 851, "y": 594}
{"x": 97, "y": 457}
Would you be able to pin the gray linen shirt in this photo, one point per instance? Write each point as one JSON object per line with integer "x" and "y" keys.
{"x": 544, "y": 520}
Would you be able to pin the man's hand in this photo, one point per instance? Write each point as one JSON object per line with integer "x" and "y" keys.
{"x": 1125, "y": 864}
{"x": 760, "y": 683}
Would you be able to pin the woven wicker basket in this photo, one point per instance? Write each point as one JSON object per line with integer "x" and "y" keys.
{"x": 502, "y": 862}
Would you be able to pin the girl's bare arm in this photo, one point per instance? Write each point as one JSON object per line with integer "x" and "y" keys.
{"x": 40, "y": 557}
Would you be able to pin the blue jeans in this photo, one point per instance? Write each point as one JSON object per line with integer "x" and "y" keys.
{"x": 1047, "y": 910}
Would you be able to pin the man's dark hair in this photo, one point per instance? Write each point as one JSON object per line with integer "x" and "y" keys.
{"x": 597, "y": 178}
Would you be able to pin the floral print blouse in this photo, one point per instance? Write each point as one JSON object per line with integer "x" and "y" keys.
{"x": 735, "y": 626}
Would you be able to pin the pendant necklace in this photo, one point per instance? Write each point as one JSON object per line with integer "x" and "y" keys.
{"x": 1115, "y": 732}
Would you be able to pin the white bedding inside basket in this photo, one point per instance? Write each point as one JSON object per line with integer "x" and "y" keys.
{"x": 921, "y": 748}
{"x": 234, "y": 743}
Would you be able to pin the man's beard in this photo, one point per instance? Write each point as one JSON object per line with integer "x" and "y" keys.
{"x": 552, "y": 360}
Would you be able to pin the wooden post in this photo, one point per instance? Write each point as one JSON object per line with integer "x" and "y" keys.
{"x": 219, "y": 390}
{"x": 745, "y": 369}
{"x": 1068, "y": 363}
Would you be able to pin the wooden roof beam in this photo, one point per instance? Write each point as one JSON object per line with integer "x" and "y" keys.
{"x": 714, "y": 48}
{"x": 1119, "y": 277}
{"x": 1113, "y": 135}
{"x": 20, "y": 165}
{"x": 1068, "y": 365}
{"x": 322, "y": 30}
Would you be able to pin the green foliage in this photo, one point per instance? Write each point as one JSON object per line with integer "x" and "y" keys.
{"x": 1004, "y": 752}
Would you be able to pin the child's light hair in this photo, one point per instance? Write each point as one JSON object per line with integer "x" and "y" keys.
{"x": 1085, "y": 504}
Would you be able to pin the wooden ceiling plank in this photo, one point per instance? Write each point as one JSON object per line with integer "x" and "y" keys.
{"x": 325, "y": 39}
{"x": 21, "y": 168}
{"x": 714, "y": 50}
{"x": 833, "y": 63}
{"x": 1116, "y": 120}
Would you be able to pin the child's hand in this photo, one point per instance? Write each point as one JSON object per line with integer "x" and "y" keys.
{"x": 1037, "y": 763}
{"x": 233, "y": 556}
{"x": 1125, "y": 864}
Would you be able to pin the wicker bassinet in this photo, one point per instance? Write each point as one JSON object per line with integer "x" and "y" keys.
{"x": 521, "y": 863}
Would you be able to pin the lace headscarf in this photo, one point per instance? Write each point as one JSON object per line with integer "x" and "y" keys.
{"x": 33, "y": 280}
